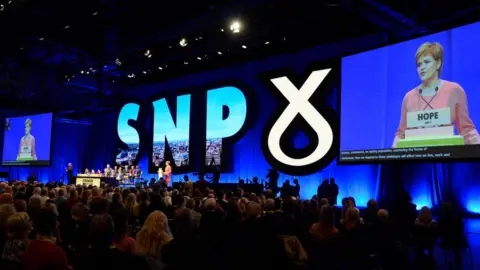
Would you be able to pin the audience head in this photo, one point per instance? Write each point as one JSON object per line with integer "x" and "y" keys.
{"x": 98, "y": 206}
{"x": 382, "y": 213}
{"x": 178, "y": 200}
{"x": 153, "y": 235}
{"x": 253, "y": 210}
{"x": 183, "y": 221}
{"x": 352, "y": 217}
{"x": 20, "y": 205}
{"x": 372, "y": 205}
{"x": 190, "y": 204}
{"x": 51, "y": 207}
{"x": 79, "y": 212}
{"x": 270, "y": 205}
{"x": 327, "y": 215}
{"x": 6, "y": 210}
{"x": 6, "y": 198}
{"x": 120, "y": 218}
{"x": 101, "y": 231}
{"x": 425, "y": 214}
{"x": 210, "y": 204}
{"x": 323, "y": 201}
{"x": 45, "y": 223}
{"x": 18, "y": 226}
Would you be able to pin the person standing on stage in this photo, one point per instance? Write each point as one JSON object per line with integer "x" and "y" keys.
{"x": 69, "y": 170}
{"x": 138, "y": 172}
{"x": 131, "y": 174}
{"x": 168, "y": 172}
{"x": 160, "y": 173}
{"x": 108, "y": 171}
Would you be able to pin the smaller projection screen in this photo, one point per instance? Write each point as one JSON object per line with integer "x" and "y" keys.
{"x": 415, "y": 100}
{"x": 27, "y": 140}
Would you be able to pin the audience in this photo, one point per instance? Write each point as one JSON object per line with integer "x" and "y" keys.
{"x": 80, "y": 227}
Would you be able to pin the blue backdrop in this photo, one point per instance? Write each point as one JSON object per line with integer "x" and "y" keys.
{"x": 41, "y": 130}
{"x": 93, "y": 145}
{"x": 374, "y": 84}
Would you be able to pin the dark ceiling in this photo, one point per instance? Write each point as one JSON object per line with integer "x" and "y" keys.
{"x": 82, "y": 57}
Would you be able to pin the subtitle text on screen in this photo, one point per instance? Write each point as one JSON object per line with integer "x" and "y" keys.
{"x": 394, "y": 154}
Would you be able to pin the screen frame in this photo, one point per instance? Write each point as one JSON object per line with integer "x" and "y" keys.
{"x": 32, "y": 165}
{"x": 398, "y": 161}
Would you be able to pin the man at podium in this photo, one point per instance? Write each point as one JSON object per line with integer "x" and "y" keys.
{"x": 26, "y": 149}
{"x": 430, "y": 110}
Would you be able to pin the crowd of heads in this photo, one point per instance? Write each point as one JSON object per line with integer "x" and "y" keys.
{"x": 200, "y": 227}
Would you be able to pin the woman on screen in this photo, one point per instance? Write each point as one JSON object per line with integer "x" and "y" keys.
{"x": 27, "y": 144}
{"x": 434, "y": 92}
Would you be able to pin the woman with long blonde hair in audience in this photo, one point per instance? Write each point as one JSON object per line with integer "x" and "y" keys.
{"x": 153, "y": 235}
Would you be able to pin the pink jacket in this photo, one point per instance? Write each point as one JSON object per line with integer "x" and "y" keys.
{"x": 450, "y": 95}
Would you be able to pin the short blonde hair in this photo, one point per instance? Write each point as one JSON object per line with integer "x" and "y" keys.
{"x": 28, "y": 122}
{"x": 435, "y": 50}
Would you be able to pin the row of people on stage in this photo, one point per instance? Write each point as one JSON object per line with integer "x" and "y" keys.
{"x": 119, "y": 173}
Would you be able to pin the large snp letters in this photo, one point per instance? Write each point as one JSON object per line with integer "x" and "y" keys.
{"x": 176, "y": 134}
{"x": 220, "y": 126}
{"x": 128, "y": 134}
{"x": 226, "y": 112}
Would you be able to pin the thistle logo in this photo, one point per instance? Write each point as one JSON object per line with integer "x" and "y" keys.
{"x": 317, "y": 127}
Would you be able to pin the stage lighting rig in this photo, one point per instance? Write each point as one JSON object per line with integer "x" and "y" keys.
{"x": 235, "y": 27}
{"x": 183, "y": 42}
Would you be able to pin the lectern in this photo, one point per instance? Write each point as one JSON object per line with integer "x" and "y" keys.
{"x": 430, "y": 128}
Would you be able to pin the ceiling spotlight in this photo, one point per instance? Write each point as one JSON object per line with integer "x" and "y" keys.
{"x": 199, "y": 58}
{"x": 88, "y": 72}
{"x": 95, "y": 13}
{"x": 131, "y": 75}
{"x": 41, "y": 38}
{"x": 244, "y": 46}
{"x": 81, "y": 71}
{"x": 10, "y": 1}
{"x": 219, "y": 53}
{"x": 149, "y": 56}
{"x": 67, "y": 26}
{"x": 160, "y": 68}
{"x": 144, "y": 72}
{"x": 235, "y": 27}
{"x": 183, "y": 42}
{"x": 113, "y": 81}
{"x": 147, "y": 53}
{"x": 185, "y": 63}
{"x": 221, "y": 30}
{"x": 2, "y": 7}
{"x": 21, "y": 48}
{"x": 267, "y": 42}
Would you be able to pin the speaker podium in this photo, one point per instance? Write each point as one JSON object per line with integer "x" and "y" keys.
{"x": 430, "y": 128}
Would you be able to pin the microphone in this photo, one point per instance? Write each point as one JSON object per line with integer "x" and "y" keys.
{"x": 428, "y": 102}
